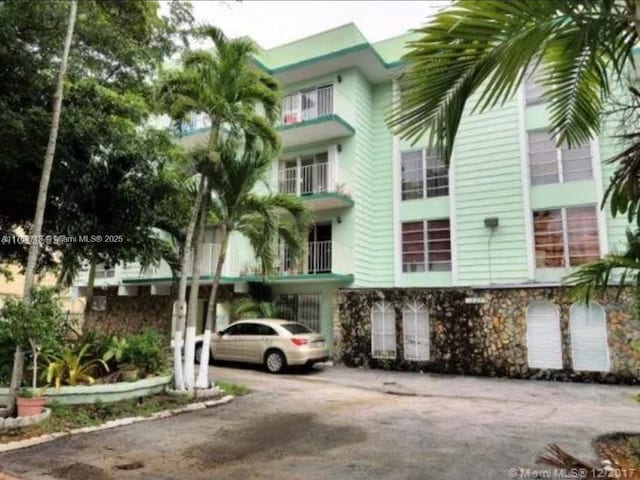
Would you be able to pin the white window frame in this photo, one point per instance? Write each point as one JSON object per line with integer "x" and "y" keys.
{"x": 557, "y": 363}
{"x": 425, "y": 247}
{"x": 574, "y": 335}
{"x": 559, "y": 160}
{"x": 388, "y": 328}
{"x": 411, "y": 313}
{"x": 565, "y": 234}
{"x": 424, "y": 177}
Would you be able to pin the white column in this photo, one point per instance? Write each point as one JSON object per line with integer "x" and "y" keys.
{"x": 601, "y": 213}
{"x": 396, "y": 199}
{"x": 526, "y": 186}
{"x": 332, "y": 174}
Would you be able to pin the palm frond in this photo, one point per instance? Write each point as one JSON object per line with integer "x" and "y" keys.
{"x": 615, "y": 269}
{"x": 623, "y": 191}
{"x": 482, "y": 50}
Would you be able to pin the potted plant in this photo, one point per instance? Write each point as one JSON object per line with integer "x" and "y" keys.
{"x": 38, "y": 327}
{"x": 30, "y": 401}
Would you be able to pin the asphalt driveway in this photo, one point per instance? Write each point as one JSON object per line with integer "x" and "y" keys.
{"x": 337, "y": 423}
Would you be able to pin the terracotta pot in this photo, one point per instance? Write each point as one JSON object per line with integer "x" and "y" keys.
{"x": 28, "y": 407}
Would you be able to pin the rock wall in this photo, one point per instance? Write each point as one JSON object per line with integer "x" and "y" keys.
{"x": 124, "y": 315}
{"x": 133, "y": 314}
{"x": 487, "y": 338}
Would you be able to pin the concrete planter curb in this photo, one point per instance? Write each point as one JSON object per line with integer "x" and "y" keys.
{"x": 10, "y": 423}
{"x": 29, "y": 442}
{"x": 103, "y": 392}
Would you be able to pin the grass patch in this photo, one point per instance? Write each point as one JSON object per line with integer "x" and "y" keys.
{"x": 235, "y": 389}
{"x": 67, "y": 417}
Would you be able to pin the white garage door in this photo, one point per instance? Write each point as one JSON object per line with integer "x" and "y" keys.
{"x": 544, "y": 344}
{"x": 588, "y": 327}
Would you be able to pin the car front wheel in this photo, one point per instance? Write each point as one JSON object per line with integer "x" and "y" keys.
{"x": 274, "y": 361}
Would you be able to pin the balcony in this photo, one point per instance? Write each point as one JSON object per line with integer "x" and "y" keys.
{"x": 132, "y": 273}
{"x": 315, "y": 183}
{"x": 308, "y": 117}
{"x": 322, "y": 258}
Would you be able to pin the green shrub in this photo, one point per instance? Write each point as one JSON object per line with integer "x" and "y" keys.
{"x": 39, "y": 327}
{"x": 7, "y": 348}
{"x": 147, "y": 351}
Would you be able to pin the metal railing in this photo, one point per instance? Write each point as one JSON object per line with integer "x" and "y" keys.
{"x": 306, "y": 180}
{"x": 319, "y": 259}
{"x": 307, "y": 105}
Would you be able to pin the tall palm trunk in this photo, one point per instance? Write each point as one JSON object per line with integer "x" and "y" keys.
{"x": 180, "y": 305}
{"x": 203, "y": 370}
{"x": 192, "y": 312}
{"x": 36, "y": 229}
{"x": 92, "y": 279}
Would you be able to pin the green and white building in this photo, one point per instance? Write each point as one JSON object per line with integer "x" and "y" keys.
{"x": 509, "y": 218}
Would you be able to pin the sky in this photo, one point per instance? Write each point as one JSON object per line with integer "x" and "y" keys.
{"x": 273, "y": 23}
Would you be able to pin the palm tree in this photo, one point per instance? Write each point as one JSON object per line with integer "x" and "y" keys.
{"x": 236, "y": 98}
{"x": 47, "y": 165}
{"x": 251, "y": 308}
{"x": 264, "y": 219}
{"x": 578, "y": 49}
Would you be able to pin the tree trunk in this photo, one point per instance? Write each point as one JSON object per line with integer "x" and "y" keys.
{"x": 192, "y": 311}
{"x": 180, "y": 305}
{"x": 92, "y": 279}
{"x": 203, "y": 370}
{"x": 36, "y": 228}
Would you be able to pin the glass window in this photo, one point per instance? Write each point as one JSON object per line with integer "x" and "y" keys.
{"x": 426, "y": 245}
{"x": 439, "y": 245}
{"x": 548, "y": 164}
{"x": 582, "y": 235}
{"x": 437, "y": 176}
{"x": 576, "y": 163}
{"x": 238, "y": 329}
{"x": 296, "y": 328}
{"x": 264, "y": 330}
{"x": 413, "y": 247}
{"x": 543, "y": 159}
{"x": 566, "y": 237}
{"x": 423, "y": 174}
{"x": 412, "y": 175}
{"x": 549, "y": 238}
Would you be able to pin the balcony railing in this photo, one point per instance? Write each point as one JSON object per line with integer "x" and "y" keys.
{"x": 306, "y": 180}
{"x": 319, "y": 259}
{"x": 133, "y": 270}
{"x": 307, "y": 105}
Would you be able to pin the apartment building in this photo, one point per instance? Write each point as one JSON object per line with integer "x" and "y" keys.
{"x": 416, "y": 264}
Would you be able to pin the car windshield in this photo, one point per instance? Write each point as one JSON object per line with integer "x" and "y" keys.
{"x": 296, "y": 328}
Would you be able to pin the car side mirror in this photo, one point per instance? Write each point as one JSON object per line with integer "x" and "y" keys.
{"x": 220, "y": 333}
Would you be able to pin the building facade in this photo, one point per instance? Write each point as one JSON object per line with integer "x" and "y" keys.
{"x": 405, "y": 248}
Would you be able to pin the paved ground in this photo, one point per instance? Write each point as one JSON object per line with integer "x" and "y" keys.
{"x": 347, "y": 424}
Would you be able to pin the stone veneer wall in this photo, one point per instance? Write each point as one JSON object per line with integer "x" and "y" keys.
{"x": 489, "y": 338}
{"x": 133, "y": 314}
